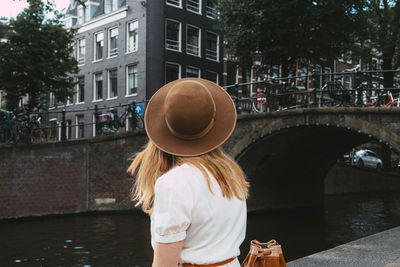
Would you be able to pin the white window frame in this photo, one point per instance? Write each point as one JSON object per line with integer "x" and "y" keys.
{"x": 95, "y": 46}
{"x": 109, "y": 84}
{"x": 172, "y": 63}
{"x": 216, "y": 73}
{"x": 77, "y": 126}
{"x": 114, "y": 6}
{"x": 52, "y": 100}
{"x": 127, "y": 80}
{"x": 78, "y": 90}
{"x": 94, "y": 125}
{"x": 211, "y": 10}
{"x": 348, "y": 57}
{"x": 179, "y": 35}
{"x": 347, "y": 83}
{"x": 193, "y": 11}
{"x": 327, "y": 74}
{"x": 81, "y": 58}
{"x": 193, "y": 68}
{"x": 216, "y": 60}
{"x": 199, "y": 39}
{"x": 135, "y": 44}
{"x": 115, "y": 53}
{"x": 174, "y": 5}
{"x": 95, "y": 99}
{"x": 57, "y": 126}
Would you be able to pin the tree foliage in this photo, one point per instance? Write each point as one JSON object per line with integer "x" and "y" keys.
{"x": 289, "y": 31}
{"x": 37, "y": 57}
{"x": 382, "y": 32}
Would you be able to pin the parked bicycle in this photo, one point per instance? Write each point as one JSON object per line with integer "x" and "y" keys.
{"x": 390, "y": 101}
{"x": 110, "y": 122}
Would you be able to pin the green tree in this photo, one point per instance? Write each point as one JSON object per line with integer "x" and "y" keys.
{"x": 37, "y": 57}
{"x": 289, "y": 31}
{"x": 382, "y": 32}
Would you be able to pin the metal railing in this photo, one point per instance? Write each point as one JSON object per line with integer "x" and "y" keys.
{"x": 38, "y": 127}
{"x": 363, "y": 89}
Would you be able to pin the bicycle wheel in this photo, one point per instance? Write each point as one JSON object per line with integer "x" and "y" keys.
{"x": 139, "y": 121}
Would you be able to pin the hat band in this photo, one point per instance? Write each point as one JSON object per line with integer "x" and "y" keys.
{"x": 192, "y": 136}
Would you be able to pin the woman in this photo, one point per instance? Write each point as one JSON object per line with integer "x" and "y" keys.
{"x": 194, "y": 193}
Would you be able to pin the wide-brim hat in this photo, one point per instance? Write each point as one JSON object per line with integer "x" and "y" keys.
{"x": 190, "y": 117}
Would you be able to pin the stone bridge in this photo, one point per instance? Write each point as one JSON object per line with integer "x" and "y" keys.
{"x": 285, "y": 155}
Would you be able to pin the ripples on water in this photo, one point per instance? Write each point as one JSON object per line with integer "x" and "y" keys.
{"x": 123, "y": 239}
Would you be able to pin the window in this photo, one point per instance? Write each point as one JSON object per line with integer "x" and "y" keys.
{"x": 112, "y": 84}
{"x": 132, "y": 81}
{"x": 98, "y": 45}
{"x": 304, "y": 77}
{"x": 211, "y": 11}
{"x": 85, "y": 14}
{"x": 110, "y": 5}
{"x": 52, "y": 100}
{"x": 327, "y": 74}
{"x": 347, "y": 82}
{"x": 176, "y": 3}
{"x": 317, "y": 79}
{"x": 80, "y": 90}
{"x": 113, "y": 42}
{"x": 81, "y": 51}
{"x": 70, "y": 100}
{"x": 173, "y": 39}
{"x": 73, "y": 49}
{"x": 192, "y": 72}
{"x": 80, "y": 127}
{"x": 172, "y": 72}
{"x": 194, "y": 6}
{"x": 374, "y": 64}
{"x": 132, "y": 36}
{"x": 212, "y": 45}
{"x": 193, "y": 40}
{"x": 69, "y": 129}
{"x": 53, "y": 130}
{"x": 94, "y": 124}
{"x": 348, "y": 57}
{"x": 212, "y": 76}
{"x": 98, "y": 86}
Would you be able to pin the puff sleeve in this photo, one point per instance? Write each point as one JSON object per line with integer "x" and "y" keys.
{"x": 173, "y": 203}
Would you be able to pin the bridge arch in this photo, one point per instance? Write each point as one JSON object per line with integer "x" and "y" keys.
{"x": 287, "y": 156}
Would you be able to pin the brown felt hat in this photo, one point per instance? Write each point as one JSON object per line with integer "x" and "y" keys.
{"x": 190, "y": 117}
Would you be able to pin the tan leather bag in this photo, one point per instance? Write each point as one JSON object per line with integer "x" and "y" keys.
{"x": 264, "y": 255}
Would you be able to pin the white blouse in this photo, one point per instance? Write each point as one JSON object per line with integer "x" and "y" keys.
{"x": 212, "y": 227}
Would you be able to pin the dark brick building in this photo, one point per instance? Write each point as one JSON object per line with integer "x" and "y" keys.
{"x": 127, "y": 49}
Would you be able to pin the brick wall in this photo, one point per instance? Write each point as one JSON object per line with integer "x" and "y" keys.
{"x": 71, "y": 177}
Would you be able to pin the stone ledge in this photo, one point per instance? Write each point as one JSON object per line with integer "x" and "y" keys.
{"x": 381, "y": 249}
{"x": 322, "y": 110}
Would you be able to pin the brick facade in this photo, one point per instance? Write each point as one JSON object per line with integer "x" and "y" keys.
{"x": 77, "y": 176}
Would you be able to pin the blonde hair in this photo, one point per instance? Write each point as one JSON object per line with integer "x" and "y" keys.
{"x": 151, "y": 163}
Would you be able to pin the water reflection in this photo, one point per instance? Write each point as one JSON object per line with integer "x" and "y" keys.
{"x": 123, "y": 239}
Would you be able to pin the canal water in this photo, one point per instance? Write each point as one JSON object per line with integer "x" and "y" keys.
{"x": 122, "y": 239}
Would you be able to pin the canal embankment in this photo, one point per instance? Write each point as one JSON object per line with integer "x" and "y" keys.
{"x": 345, "y": 179}
{"x": 378, "y": 250}
{"x": 90, "y": 175}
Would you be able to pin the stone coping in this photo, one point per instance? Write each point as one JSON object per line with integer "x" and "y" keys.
{"x": 378, "y": 250}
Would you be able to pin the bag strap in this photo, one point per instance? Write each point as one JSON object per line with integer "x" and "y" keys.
{"x": 256, "y": 250}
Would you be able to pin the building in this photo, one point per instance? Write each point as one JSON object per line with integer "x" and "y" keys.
{"x": 127, "y": 49}
{"x": 3, "y": 22}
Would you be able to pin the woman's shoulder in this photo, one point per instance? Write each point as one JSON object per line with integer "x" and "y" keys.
{"x": 179, "y": 176}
